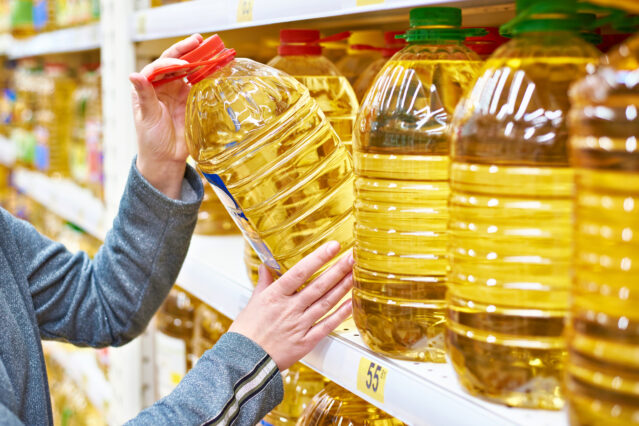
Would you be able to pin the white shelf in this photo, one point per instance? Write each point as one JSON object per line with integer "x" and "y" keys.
{"x": 417, "y": 393}
{"x": 74, "y": 39}
{"x": 220, "y": 15}
{"x": 64, "y": 198}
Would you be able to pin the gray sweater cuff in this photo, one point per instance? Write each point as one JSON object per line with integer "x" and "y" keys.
{"x": 192, "y": 192}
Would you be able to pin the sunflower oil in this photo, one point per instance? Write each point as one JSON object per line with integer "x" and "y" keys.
{"x": 401, "y": 189}
{"x": 603, "y": 386}
{"x": 301, "y": 57}
{"x": 208, "y": 326}
{"x": 510, "y": 231}
{"x": 93, "y": 130}
{"x": 173, "y": 340}
{"x": 252, "y": 262}
{"x": 212, "y": 218}
{"x": 273, "y": 159}
{"x": 361, "y": 52}
{"x": 335, "y": 405}
{"x": 301, "y": 384}
{"x": 365, "y": 80}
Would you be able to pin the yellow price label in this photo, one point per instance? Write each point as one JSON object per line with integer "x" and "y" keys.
{"x": 371, "y": 379}
{"x": 141, "y": 24}
{"x": 368, "y": 2}
{"x": 245, "y": 10}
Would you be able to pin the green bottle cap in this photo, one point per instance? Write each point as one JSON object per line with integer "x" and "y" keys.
{"x": 433, "y": 24}
{"x": 588, "y": 21}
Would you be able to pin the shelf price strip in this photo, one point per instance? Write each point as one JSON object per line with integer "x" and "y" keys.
{"x": 371, "y": 379}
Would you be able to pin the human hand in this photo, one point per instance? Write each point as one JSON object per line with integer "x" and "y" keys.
{"x": 159, "y": 122}
{"x": 284, "y": 322}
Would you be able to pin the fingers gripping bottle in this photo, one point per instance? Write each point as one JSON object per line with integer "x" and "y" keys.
{"x": 401, "y": 168}
{"x": 602, "y": 380}
{"x": 392, "y": 45}
{"x": 301, "y": 384}
{"x": 335, "y": 405}
{"x": 269, "y": 153}
{"x": 510, "y": 231}
{"x": 300, "y": 55}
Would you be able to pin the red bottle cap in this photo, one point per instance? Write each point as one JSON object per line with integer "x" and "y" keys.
{"x": 304, "y": 42}
{"x": 203, "y": 60}
{"x": 486, "y": 44}
{"x": 392, "y": 44}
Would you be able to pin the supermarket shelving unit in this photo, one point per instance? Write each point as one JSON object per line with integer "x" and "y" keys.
{"x": 418, "y": 393}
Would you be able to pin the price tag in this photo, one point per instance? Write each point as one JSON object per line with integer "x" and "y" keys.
{"x": 371, "y": 379}
{"x": 368, "y": 2}
{"x": 245, "y": 10}
{"x": 140, "y": 25}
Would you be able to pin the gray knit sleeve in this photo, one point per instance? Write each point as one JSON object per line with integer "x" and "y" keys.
{"x": 234, "y": 383}
{"x": 110, "y": 300}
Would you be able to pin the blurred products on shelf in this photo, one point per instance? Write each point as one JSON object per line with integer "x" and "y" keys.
{"x": 401, "y": 161}
{"x": 510, "y": 229}
{"x": 363, "y": 49}
{"x": 602, "y": 382}
{"x": 485, "y": 45}
{"x": 334, "y": 405}
{"x": 301, "y": 384}
{"x": 300, "y": 55}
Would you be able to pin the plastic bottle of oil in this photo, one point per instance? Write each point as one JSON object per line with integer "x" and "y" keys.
{"x": 78, "y": 150}
{"x": 212, "y": 218}
{"x": 510, "y": 231}
{"x": 93, "y": 130}
{"x": 271, "y": 156}
{"x": 301, "y": 384}
{"x": 485, "y": 45}
{"x": 300, "y": 55}
{"x": 173, "y": 340}
{"x": 53, "y": 121}
{"x": 208, "y": 326}
{"x": 401, "y": 188}
{"x": 392, "y": 45}
{"x": 602, "y": 380}
{"x": 252, "y": 262}
{"x": 359, "y": 54}
{"x": 335, "y": 405}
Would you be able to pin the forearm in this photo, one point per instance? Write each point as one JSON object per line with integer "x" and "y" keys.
{"x": 234, "y": 381}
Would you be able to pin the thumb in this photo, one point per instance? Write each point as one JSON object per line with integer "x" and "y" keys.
{"x": 147, "y": 101}
{"x": 265, "y": 279}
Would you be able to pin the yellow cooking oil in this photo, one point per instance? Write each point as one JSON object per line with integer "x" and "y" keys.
{"x": 212, "y": 218}
{"x": 208, "y": 326}
{"x": 273, "y": 160}
{"x": 510, "y": 231}
{"x": 335, "y": 405}
{"x": 401, "y": 189}
{"x": 252, "y": 263}
{"x": 301, "y": 384}
{"x": 330, "y": 89}
{"x": 363, "y": 49}
{"x": 602, "y": 379}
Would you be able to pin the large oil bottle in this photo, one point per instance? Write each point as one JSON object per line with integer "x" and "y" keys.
{"x": 208, "y": 326}
{"x": 212, "y": 218}
{"x": 359, "y": 54}
{"x": 301, "y": 384}
{"x": 510, "y": 231}
{"x": 272, "y": 158}
{"x": 392, "y": 45}
{"x": 401, "y": 188}
{"x": 603, "y": 385}
{"x": 252, "y": 263}
{"x": 335, "y": 405}
{"x": 300, "y": 55}
{"x": 173, "y": 340}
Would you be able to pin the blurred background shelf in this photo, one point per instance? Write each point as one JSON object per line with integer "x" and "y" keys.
{"x": 64, "y": 198}
{"x": 417, "y": 393}
{"x": 74, "y": 39}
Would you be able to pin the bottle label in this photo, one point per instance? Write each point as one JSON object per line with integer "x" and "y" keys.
{"x": 40, "y": 14}
{"x": 170, "y": 361}
{"x": 240, "y": 219}
{"x": 265, "y": 423}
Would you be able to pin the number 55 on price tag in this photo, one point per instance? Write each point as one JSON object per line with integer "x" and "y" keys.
{"x": 371, "y": 378}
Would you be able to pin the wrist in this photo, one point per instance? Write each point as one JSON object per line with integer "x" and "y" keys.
{"x": 165, "y": 176}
